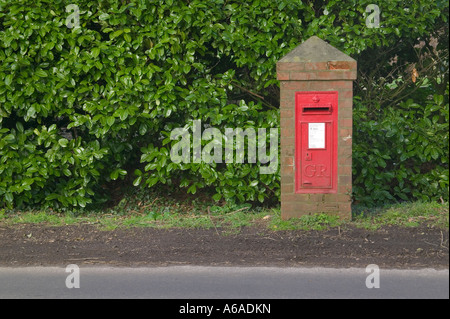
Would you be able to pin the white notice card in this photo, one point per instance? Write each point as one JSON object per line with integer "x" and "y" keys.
{"x": 316, "y": 135}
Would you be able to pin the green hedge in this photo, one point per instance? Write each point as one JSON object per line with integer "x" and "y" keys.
{"x": 403, "y": 154}
{"x": 89, "y": 108}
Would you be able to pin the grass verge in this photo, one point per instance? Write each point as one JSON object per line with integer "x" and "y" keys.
{"x": 149, "y": 210}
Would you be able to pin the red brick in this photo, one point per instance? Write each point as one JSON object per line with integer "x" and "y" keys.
{"x": 345, "y": 141}
{"x": 307, "y": 207}
{"x": 328, "y": 208}
{"x": 287, "y": 131}
{"x": 330, "y": 198}
{"x": 335, "y": 75}
{"x": 297, "y": 85}
{"x": 344, "y": 150}
{"x": 332, "y": 85}
{"x": 345, "y": 123}
{"x": 345, "y": 180}
{"x": 345, "y": 207}
{"x": 287, "y": 141}
{"x": 288, "y": 197}
{"x": 346, "y": 94}
{"x": 345, "y": 170}
{"x": 290, "y": 66}
{"x": 316, "y": 197}
{"x": 302, "y": 76}
{"x": 345, "y": 160}
{"x": 285, "y": 205}
{"x": 344, "y": 189}
{"x": 312, "y": 66}
{"x": 286, "y": 150}
{"x": 287, "y": 94}
{"x": 345, "y": 113}
{"x": 286, "y": 170}
{"x": 287, "y": 113}
{"x": 345, "y": 132}
{"x": 287, "y": 179}
{"x": 286, "y": 104}
{"x": 339, "y": 65}
{"x": 303, "y": 197}
{"x": 287, "y": 188}
{"x": 287, "y": 122}
{"x": 288, "y": 160}
{"x": 283, "y": 76}
{"x": 345, "y": 102}
{"x": 344, "y": 198}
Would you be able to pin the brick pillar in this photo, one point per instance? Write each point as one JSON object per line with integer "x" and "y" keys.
{"x": 316, "y": 66}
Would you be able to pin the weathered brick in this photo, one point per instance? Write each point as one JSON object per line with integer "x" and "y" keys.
{"x": 287, "y": 94}
{"x": 286, "y": 170}
{"x": 345, "y": 160}
{"x": 344, "y": 150}
{"x": 288, "y": 160}
{"x": 287, "y": 131}
{"x": 331, "y": 85}
{"x": 344, "y": 179}
{"x": 290, "y": 66}
{"x": 345, "y": 113}
{"x": 345, "y": 141}
{"x": 312, "y": 66}
{"x": 344, "y": 198}
{"x": 307, "y": 207}
{"x": 302, "y": 76}
{"x": 316, "y": 197}
{"x": 330, "y": 197}
{"x": 286, "y": 104}
{"x": 346, "y": 94}
{"x": 339, "y": 65}
{"x": 331, "y": 74}
{"x": 345, "y": 123}
{"x": 287, "y": 113}
{"x": 345, "y": 132}
{"x": 287, "y": 179}
{"x": 287, "y": 122}
{"x": 282, "y": 76}
{"x": 289, "y": 197}
{"x": 344, "y": 189}
{"x": 344, "y": 170}
{"x": 297, "y": 86}
{"x": 287, "y": 188}
{"x": 345, "y": 207}
{"x": 287, "y": 142}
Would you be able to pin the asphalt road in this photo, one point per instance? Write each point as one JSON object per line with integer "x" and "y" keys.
{"x": 189, "y": 282}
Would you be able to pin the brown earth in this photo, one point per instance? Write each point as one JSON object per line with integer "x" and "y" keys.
{"x": 389, "y": 247}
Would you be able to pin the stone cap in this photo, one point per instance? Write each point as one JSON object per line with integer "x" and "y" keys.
{"x": 315, "y": 59}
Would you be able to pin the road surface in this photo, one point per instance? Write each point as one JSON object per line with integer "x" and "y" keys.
{"x": 193, "y": 282}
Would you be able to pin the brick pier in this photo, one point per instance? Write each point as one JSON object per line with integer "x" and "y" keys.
{"x": 316, "y": 66}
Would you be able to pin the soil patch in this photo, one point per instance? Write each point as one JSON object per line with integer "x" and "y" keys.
{"x": 389, "y": 247}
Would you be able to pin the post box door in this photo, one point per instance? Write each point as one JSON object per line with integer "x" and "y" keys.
{"x": 316, "y": 144}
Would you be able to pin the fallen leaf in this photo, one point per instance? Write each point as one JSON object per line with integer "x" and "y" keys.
{"x": 414, "y": 75}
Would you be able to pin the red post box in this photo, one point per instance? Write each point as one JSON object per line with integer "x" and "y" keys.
{"x": 316, "y": 141}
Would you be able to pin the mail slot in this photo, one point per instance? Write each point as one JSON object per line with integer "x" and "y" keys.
{"x": 316, "y": 142}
